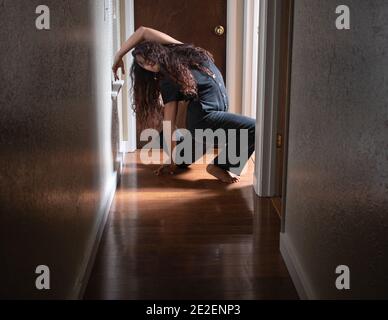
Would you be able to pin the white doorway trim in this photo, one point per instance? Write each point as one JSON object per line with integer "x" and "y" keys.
{"x": 267, "y": 74}
{"x": 267, "y": 98}
{"x": 234, "y": 54}
{"x": 266, "y": 51}
{"x": 234, "y": 65}
{"x": 129, "y": 142}
{"x": 251, "y": 57}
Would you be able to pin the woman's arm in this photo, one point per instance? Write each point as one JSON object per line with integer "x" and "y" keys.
{"x": 145, "y": 34}
{"x": 170, "y": 113}
{"x": 141, "y": 34}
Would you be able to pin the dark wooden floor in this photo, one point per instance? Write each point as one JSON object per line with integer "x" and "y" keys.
{"x": 189, "y": 237}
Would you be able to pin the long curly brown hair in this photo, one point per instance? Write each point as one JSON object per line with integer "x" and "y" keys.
{"x": 175, "y": 61}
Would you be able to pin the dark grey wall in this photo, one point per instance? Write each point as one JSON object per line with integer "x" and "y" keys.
{"x": 337, "y": 190}
{"x": 55, "y": 155}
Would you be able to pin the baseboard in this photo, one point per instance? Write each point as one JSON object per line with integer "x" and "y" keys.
{"x": 295, "y": 269}
{"x": 90, "y": 255}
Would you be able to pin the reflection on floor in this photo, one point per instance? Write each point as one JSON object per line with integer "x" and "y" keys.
{"x": 188, "y": 236}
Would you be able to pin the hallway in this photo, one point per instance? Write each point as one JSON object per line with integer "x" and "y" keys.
{"x": 188, "y": 237}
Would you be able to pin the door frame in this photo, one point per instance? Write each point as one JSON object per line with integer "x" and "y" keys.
{"x": 270, "y": 36}
{"x": 287, "y": 116}
{"x": 234, "y": 65}
{"x": 250, "y": 57}
{"x": 129, "y": 127}
{"x": 238, "y": 68}
{"x": 235, "y": 58}
{"x": 267, "y": 98}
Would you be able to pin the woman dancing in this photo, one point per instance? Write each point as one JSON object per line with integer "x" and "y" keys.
{"x": 165, "y": 67}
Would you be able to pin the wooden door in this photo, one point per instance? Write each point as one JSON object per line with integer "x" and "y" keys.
{"x": 187, "y": 21}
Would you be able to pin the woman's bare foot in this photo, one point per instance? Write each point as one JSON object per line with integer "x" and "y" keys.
{"x": 221, "y": 174}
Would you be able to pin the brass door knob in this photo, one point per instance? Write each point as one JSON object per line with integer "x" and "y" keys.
{"x": 219, "y": 30}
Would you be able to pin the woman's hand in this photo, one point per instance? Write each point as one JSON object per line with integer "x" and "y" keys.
{"x": 141, "y": 34}
{"x": 170, "y": 168}
{"x": 118, "y": 63}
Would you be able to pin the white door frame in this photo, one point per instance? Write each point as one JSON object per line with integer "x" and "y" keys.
{"x": 234, "y": 65}
{"x": 234, "y": 57}
{"x": 260, "y": 53}
{"x": 253, "y": 79}
{"x": 251, "y": 57}
{"x": 129, "y": 142}
{"x": 267, "y": 98}
{"x": 116, "y": 46}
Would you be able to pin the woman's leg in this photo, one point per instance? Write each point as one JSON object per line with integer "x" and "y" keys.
{"x": 232, "y": 124}
{"x": 215, "y": 120}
